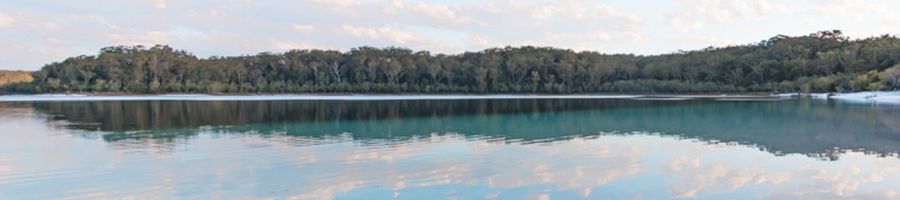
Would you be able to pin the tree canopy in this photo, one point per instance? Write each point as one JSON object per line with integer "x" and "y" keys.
{"x": 824, "y": 61}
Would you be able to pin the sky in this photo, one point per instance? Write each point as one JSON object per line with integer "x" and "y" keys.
{"x": 38, "y": 32}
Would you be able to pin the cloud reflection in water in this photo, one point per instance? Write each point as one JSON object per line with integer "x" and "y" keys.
{"x": 472, "y": 149}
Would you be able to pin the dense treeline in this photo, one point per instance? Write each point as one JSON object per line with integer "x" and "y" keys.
{"x": 820, "y": 62}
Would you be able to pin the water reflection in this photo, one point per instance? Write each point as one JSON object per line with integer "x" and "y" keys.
{"x": 818, "y": 129}
{"x": 484, "y": 149}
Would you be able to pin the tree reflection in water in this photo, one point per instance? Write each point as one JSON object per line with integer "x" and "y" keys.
{"x": 814, "y": 128}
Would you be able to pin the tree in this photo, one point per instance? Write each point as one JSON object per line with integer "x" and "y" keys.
{"x": 891, "y": 76}
{"x": 825, "y": 61}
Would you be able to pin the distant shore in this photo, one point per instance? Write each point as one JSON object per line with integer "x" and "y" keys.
{"x": 337, "y": 96}
{"x": 892, "y": 97}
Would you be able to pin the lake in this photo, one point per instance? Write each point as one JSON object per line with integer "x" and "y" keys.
{"x": 495, "y": 148}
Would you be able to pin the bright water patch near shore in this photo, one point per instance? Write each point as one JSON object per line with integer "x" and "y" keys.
{"x": 437, "y": 149}
{"x": 873, "y": 97}
{"x": 870, "y": 97}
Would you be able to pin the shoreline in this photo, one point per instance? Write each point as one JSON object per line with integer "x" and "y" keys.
{"x": 383, "y": 94}
{"x": 891, "y": 97}
{"x": 361, "y": 97}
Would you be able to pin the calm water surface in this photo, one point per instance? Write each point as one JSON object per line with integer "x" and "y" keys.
{"x": 449, "y": 149}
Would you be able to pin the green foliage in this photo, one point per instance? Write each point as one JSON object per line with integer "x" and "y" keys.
{"x": 867, "y": 81}
{"x": 820, "y": 62}
{"x": 891, "y": 77}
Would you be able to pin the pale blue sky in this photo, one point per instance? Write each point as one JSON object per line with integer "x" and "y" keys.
{"x": 37, "y": 32}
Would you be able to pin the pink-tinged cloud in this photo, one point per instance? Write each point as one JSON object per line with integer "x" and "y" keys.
{"x": 241, "y": 27}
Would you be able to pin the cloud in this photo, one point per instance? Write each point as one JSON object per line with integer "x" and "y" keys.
{"x": 147, "y": 39}
{"x": 57, "y": 41}
{"x": 852, "y": 10}
{"x": 240, "y": 27}
{"x": 606, "y": 162}
{"x": 6, "y": 20}
{"x": 291, "y": 45}
{"x": 161, "y": 4}
{"x": 566, "y": 24}
{"x": 698, "y": 176}
{"x": 389, "y": 33}
{"x": 700, "y": 12}
{"x": 848, "y": 9}
{"x": 303, "y": 28}
{"x": 52, "y": 26}
{"x": 577, "y": 10}
{"x": 337, "y": 4}
{"x": 235, "y": 27}
{"x": 598, "y": 162}
{"x": 329, "y": 192}
{"x": 438, "y": 12}
{"x": 857, "y": 177}
{"x": 581, "y": 25}
{"x": 392, "y": 35}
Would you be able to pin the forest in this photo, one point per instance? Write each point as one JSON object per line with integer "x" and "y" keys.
{"x": 825, "y": 61}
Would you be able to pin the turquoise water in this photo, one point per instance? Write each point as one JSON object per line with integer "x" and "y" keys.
{"x": 449, "y": 149}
